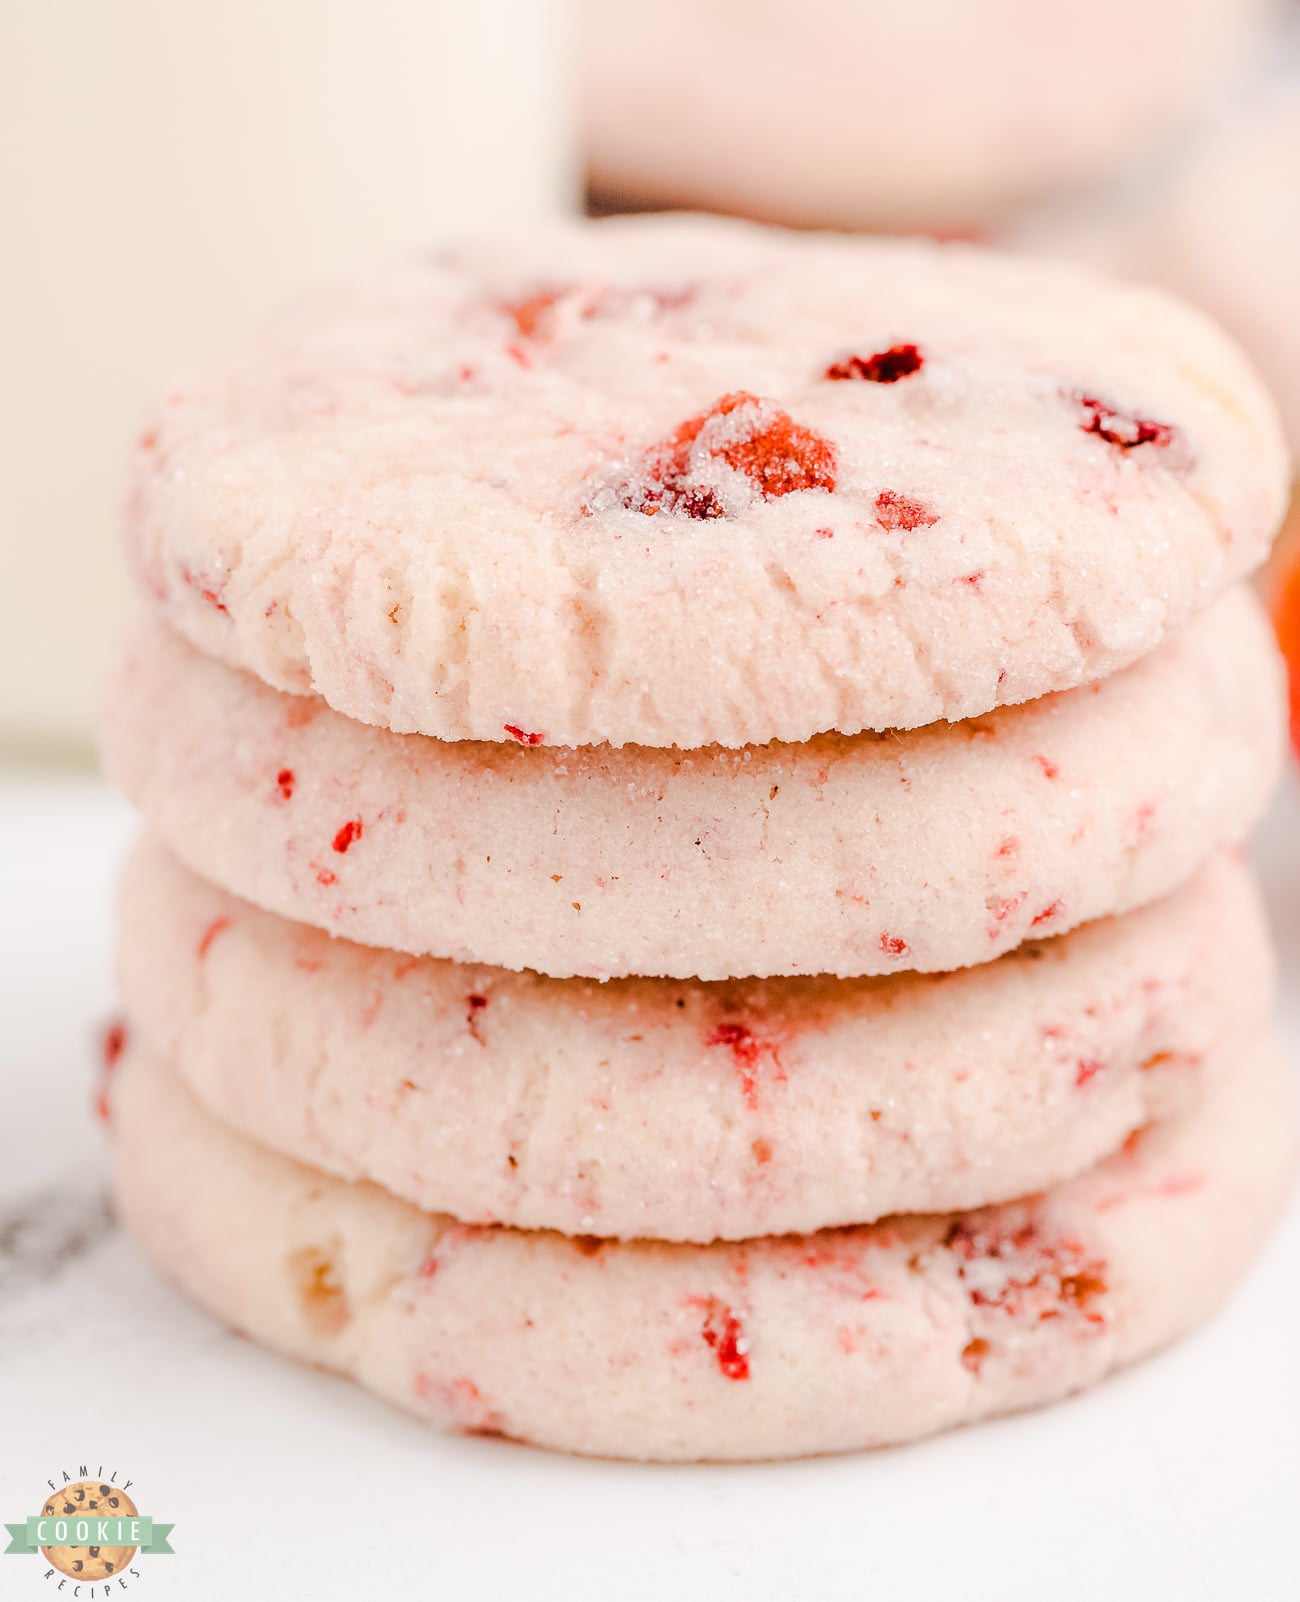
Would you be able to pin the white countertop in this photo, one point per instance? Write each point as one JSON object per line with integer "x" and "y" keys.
{"x": 1176, "y": 1480}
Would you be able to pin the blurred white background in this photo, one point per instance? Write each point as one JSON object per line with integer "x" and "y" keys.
{"x": 170, "y": 171}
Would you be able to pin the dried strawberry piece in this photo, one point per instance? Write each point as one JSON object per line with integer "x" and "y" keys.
{"x": 753, "y": 437}
{"x": 724, "y": 1332}
{"x": 895, "y": 511}
{"x": 210, "y": 593}
{"x": 475, "y": 1006}
{"x": 1121, "y": 428}
{"x": 747, "y": 1050}
{"x": 530, "y": 314}
{"x": 885, "y": 367}
{"x": 739, "y": 1039}
{"x": 350, "y": 832}
{"x": 973, "y": 1354}
{"x": 774, "y": 452}
{"x": 1014, "y": 1268}
{"x": 112, "y": 1045}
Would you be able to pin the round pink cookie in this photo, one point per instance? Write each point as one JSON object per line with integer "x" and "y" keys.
{"x": 686, "y": 1111}
{"x": 691, "y": 482}
{"x": 766, "y": 1348}
{"x": 871, "y": 113}
{"x": 932, "y": 849}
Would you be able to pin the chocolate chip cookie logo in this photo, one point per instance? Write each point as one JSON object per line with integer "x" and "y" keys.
{"x": 90, "y": 1531}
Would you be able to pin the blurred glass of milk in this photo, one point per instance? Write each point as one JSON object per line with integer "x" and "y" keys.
{"x": 167, "y": 172}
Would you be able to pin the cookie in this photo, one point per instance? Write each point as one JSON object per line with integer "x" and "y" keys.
{"x": 885, "y": 116}
{"x": 689, "y": 482}
{"x": 687, "y": 1111}
{"x": 931, "y": 850}
{"x": 766, "y": 1348}
{"x": 90, "y": 1500}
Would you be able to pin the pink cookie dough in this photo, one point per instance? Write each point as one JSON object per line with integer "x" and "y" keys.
{"x": 687, "y": 1111}
{"x": 884, "y": 114}
{"x": 688, "y": 482}
{"x": 932, "y": 849}
{"x": 776, "y": 1347}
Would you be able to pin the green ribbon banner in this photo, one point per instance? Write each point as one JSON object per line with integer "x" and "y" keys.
{"x": 74, "y": 1531}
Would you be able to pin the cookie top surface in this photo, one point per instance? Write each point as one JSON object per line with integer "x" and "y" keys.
{"x": 687, "y": 482}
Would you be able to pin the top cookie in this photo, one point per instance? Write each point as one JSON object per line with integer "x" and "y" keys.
{"x": 689, "y": 482}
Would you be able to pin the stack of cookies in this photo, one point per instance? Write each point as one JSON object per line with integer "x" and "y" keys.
{"x": 693, "y": 777}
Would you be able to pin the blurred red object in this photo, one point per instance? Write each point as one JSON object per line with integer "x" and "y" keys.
{"x": 1282, "y": 589}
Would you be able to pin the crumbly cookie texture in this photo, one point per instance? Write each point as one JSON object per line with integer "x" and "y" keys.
{"x": 687, "y": 482}
{"x": 932, "y": 849}
{"x": 765, "y": 1348}
{"x": 688, "y": 1111}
